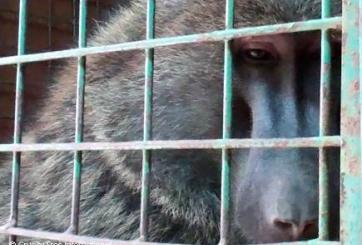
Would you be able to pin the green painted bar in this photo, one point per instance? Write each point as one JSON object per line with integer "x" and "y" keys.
{"x": 310, "y": 242}
{"x": 351, "y": 203}
{"x": 351, "y": 171}
{"x": 147, "y": 124}
{"x": 63, "y": 237}
{"x": 19, "y": 100}
{"x": 227, "y": 117}
{"x": 360, "y": 80}
{"x": 330, "y": 23}
{"x": 81, "y": 79}
{"x": 325, "y": 85}
{"x": 327, "y": 141}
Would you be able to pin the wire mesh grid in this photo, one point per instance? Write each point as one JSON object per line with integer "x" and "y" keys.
{"x": 349, "y": 140}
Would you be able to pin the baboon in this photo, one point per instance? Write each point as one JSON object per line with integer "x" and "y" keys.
{"x": 275, "y": 94}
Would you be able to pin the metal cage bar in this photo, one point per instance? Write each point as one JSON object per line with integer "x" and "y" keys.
{"x": 326, "y": 141}
{"x": 325, "y": 97}
{"x": 81, "y": 80}
{"x": 19, "y": 100}
{"x": 351, "y": 208}
{"x": 349, "y": 141}
{"x": 226, "y": 128}
{"x": 360, "y": 80}
{"x": 104, "y": 241}
{"x": 147, "y": 125}
{"x": 310, "y": 25}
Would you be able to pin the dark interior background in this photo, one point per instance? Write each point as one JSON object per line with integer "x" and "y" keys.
{"x": 51, "y": 25}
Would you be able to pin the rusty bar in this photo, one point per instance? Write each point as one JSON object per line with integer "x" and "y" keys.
{"x": 310, "y": 25}
{"x": 69, "y": 238}
{"x": 72, "y": 239}
{"x": 19, "y": 100}
{"x": 327, "y": 141}
{"x": 325, "y": 85}
{"x": 351, "y": 207}
{"x": 147, "y": 124}
{"x": 81, "y": 79}
{"x": 310, "y": 242}
{"x": 226, "y": 129}
{"x": 360, "y": 79}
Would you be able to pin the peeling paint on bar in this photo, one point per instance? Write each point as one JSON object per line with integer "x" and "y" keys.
{"x": 79, "y": 118}
{"x": 330, "y": 23}
{"x": 75, "y": 239}
{"x": 18, "y": 121}
{"x": 327, "y": 141}
{"x": 351, "y": 201}
{"x": 349, "y": 141}
{"x": 325, "y": 100}
{"x": 63, "y": 237}
{"x": 309, "y": 242}
{"x": 226, "y": 127}
{"x": 147, "y": 122}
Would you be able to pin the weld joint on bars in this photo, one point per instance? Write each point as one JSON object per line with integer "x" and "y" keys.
{"x": 318, "y": 24}
{"x": 310, "y": 142}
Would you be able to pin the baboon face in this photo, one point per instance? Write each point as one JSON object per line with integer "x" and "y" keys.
{"x": 279, "y": 80}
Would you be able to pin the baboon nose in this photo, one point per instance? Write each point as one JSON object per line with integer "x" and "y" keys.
{"x": 296, "y": 230}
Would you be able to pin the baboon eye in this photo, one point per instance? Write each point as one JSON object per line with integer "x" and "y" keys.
{"x": 257, "y": 52}
{"x": 258, "y": 55}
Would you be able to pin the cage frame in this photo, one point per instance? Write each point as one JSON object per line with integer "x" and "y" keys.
{"x": 349, "y": 139}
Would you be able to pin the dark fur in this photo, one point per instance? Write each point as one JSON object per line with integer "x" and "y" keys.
{"x": 187, "y": 105}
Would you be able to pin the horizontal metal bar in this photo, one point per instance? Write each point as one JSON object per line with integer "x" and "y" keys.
{"x": 311, "y": 242}
{"x": 320, "y": 24}
{"x": 314, "y": 142}
{"x": 66, "y": 237}
{"x": 74, "y": 239}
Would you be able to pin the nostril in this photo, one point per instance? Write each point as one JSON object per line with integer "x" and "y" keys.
{"x": 309, "y": 228}
{"x": 296, "y": 231}
{"x": 283, "y": 225}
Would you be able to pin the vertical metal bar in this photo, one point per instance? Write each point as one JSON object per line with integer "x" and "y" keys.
{"x": 360, "y": 85}
{"x": 351, "y": 207}
{"x": 227, "y": 116}
{"x": 81, "y": 79}
{"x": 325, "y": 85}
{"x": 19, "y": 97}
{"x": 147, "y": 123}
